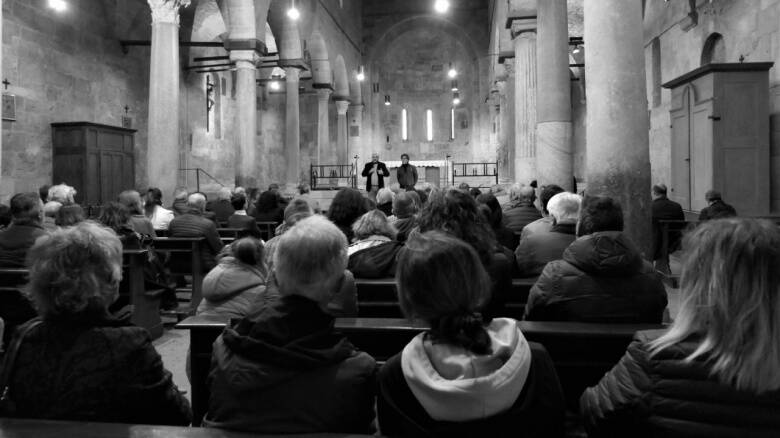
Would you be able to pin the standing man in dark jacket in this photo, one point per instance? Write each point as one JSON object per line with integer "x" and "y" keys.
{"x": 601, "y": 278}
{"x": 520, "y": 211}
{"x": 27, "y": 214}
{"x": 194, "y": 224}
{"x": 716, "y": 208}
{"x": 284, "y": 368}
{"x": 406, "y": 174}
{"x": 665, "y": 209}
{"x": 375, "y": 173}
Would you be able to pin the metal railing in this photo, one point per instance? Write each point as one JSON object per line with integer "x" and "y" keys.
{"x": 474, "y": 170}
{"x": 328, "y": 176}
{"x": 198, "y": 171}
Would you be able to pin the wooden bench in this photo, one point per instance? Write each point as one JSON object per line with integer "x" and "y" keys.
{"x": 229, "y": 235}
{"x": 377, "y": 298}
{"x": 582, "y": 352}
{"x": 23, "y": 428}
{"x": 186, "y": 248}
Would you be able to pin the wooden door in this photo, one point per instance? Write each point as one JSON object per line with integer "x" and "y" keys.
{"x": 701, "y": 153}
{"x": 681, "y": 150}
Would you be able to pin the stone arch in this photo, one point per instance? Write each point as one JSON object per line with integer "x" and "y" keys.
{"x": 208, "y": 24}
{"x": 320, "y": 63}
{"x": 714, "y": 49}
{"x": 341, "y": 79}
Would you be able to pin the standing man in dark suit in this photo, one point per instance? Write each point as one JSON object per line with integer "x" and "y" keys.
{"x": 665, "y": 209}
{"x": 375, "y": 173}
{"x": 407, "y": 174}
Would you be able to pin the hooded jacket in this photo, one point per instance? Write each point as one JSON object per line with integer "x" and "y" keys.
{"x": 231, "y": 288}
{"x": 601, "y": 278}
{"x": 437, "y": 389}
{"x": 284, "y": 369}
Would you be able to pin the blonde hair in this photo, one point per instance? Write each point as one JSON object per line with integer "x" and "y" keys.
{"x": 373, "y": 223}
{"x": 730, "y": 288}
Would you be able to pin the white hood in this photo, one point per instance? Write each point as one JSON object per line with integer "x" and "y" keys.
{"x": 454, "y": 384}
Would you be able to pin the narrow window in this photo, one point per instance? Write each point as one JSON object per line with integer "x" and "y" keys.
{"x": 429, "y": 121}
{"x": 452, "y": 123}
{"x": 404, "y": 126}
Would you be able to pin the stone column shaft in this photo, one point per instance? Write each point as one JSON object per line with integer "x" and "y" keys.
{"x": 162, "y": 155}
{"x": 524, "y": 33}
{"x": 323, "y": 124}
{"x": 553, "y": 126}
{"x": 293, "y": 127}
{"x": 246, "y": 95}
{"x": 618, "y": 158}
{"x": 341, "y": 144}
{"x": 356, "y": 144}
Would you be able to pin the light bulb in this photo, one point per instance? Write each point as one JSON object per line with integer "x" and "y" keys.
{"x": 293, "y": 13}
{"x": 576, "y": 50}
{"x": 274, "y": 85}
{"x": 58, "y": 5}
{"x": 456, "y": 101}
{"x": 361, "y": 76}
{"x": 441, "y": 6}
{"x": 452, "y": 73}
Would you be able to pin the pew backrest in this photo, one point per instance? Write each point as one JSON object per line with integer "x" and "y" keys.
{"x": 187, "y": 247}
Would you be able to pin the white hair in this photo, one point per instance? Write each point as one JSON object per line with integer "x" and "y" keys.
{"x": 224, "y": 194}
{"x": 62, "y": 193}
{"x": 565, "y": 207}
{"x": 310, "y": 258}
{"x": 384, "y": 195}
{"x": 197, "y": 200}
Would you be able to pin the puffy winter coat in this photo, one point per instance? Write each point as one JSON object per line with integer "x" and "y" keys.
{"x": 601, "y": 278}
{"x": 520, "y": 214}
{"x": 666, "y": 396}
{"x": 231, "y": 288}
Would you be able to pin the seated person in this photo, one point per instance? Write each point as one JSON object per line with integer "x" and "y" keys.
{"x": 138, "y": 220}
{"x": 154, "y": 211}
{"x": 520, "y": 211}
{"x": 347, "y": 206}
{"x": 404, "y": 217}
{"x": 221, "y": 207}
{"x": 193, "y": 224}
{"x": 80, "y": 362}
{"x": 506, "y": 237}
{"x": 716, "y": 208}
{"x": 716, "y": 371}
{"x": 50, "y": 210}
{"x": 268, "y": 207}
{"x": 545, "y": 223}
{"x": 179, "y": 206}
{"x": 304, "y": 192}
{"x": 537, "y": 249}
{"x": 374, "y": 251}
{"x": 116, "y": 216}
{"x": 27, "y": 215}
{"x": 464, "y": 376}
{"x": 62, "y": 193}
{"x": 239, "y": 218}
{"x": 283, "y": 368}
{"x": 601, "y": 277}
{"x": 384, "y": 201}
{"x": 237, "y": 282}
{"x": 69, "y": 215}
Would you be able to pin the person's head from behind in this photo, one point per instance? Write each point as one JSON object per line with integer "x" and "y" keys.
{"x": 474, "y": 192}
{"x": 69, "y": 215}
{"x": 26, "y": 209}
{"x": 304, "y": 188}
{"x": 224, "y": 194}
{"x": 62, "y": 193}
{"x": 152, "y": 199}
{"x": 565, "y": 208}
{"x": 440, "y": 280}
{"x": 422, "y": 196}
{"x": 43, "y": 192}
{"x": 5, "y": 216}
{"x": 75, "y": 272}
{"x": 238, "y": 201}
{"x": 730, "y": 298}
{"x": 115, "y": 216}
{"x": 659, "y": 191}
{"x": 297, "y": 210}
{"x": 712, "y": 196}
{"x": 180, "y": 194}
{"x": 495, "y": 215}
{"x": 546, "y": 194}
{"x": 384, "y": 195}
{"x": 248, "y": 251}
{"x": 51, "y": 208}
{"x": 523, "y": 194}
{"x": 464, "y": 186}
{"x": 599, "y": 213}
{"x": 273, "y": 187}
{"x": 132, "y": 200}
{"x": 268, "y": 201}
{"x": 310, "y": 259}
{"x": 197, "y": 202}
{"x": 404, "y": 205}
{"x": 347, "y": 206}
{"x": 373, "y": 223}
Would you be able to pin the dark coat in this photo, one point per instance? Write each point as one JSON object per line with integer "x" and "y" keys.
{"x": 520, "y": 214}
{"x": 536, "y": 250}
{"x": 274, "y": 215}
{"x": 193, "y": 224}
{"x": 406, "y": 176}
{"x": 247, "y": 223}
{"x": 538, "y": 411}
{"x": 404, "y": 227}
{"x": 666, "y": 209}
{"x": 377, "y": 261}
{"x": 717, "y": 210}
{"x": 666, "y": 396}
{"x": 96, "y": 369}
{"x": 222, "y": 209}
{"x": 284, "y": 369}
{"x": 386, "y": 208}
{"x": 601, "y": 278}
{"x": 15, "y": 241}
{"x": 506, "y": 237}
{"x": 381, "y": 174}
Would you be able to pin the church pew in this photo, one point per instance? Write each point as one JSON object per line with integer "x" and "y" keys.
{"x": 28, "y": 428}
{"x": 186, "y": 249}
{"x": 267, "y": 229}
{"x": 581, "y": 352}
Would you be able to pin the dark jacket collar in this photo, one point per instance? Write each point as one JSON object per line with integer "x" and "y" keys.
{"x": 564, "y": 228}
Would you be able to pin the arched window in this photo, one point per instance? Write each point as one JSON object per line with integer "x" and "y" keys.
{"x": 714, "y": 50}
{"x": 429, "y": 124}
{"x": 404, "y": 125}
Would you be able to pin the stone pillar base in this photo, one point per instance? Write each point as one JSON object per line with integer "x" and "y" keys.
{"x": 553, "y": 153}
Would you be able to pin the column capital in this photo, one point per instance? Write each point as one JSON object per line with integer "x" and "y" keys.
{"x": 323, "y": 94}
{"x": 166, "y": 11}
{"x": 522, "y": 25}
{"x": 509, "y": 67}
{"x": 342, "y": 106}
{"x": 244, "y": 58}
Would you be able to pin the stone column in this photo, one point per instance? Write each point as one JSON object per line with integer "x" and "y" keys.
{"x": 505, "y": 173}
{"x": 356, "y": 143}
{"x": 618, "y": 159}
{"x": 323, "y": 125}
{"x": 162, "y": 156}
{"x": 292, "y": 143}
{"x": 246, "y": 95}
{"x": 553, "y": 114}
{"x": 508, "y": 122}
{"x": 524, "y": 35}
{"x": 341, "y": 139}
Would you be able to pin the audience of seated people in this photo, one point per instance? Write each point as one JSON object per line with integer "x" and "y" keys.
{"x": 69, "y": 215}
{"x": 154, "y": 211}
{"x": 404, "y": 217}
{"x": 601, "y": 276}
{"x": 716, "y": 208}
{"x": 346, "y": 207}
{"x": 455, "y": 212}
{"x": 664, "y": 209}
{"x": 495, "y": 216}
{"x": 26, "y": 227}
{"x": 240, "y": 219}
{"x": 138, "y": 220}
{"x": 520, "y": 211}
{"x": 283, "y": 368}
{"x": 237, "y": 282}
{"x": 716, "y": 370}
{"x": 539, "y": 248}
{"x": 79, "y": 362}
{"x": 194, "y": 224}
{"x": 545, "y": 223}
{"x": 464, "y": 376}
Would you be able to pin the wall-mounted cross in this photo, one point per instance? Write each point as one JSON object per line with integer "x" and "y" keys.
{"x": 6, "y": 83}
{"x": 127, "y": 108}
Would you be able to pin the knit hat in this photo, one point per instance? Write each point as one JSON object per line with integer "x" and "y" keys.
{"x": 403, "y": 205}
